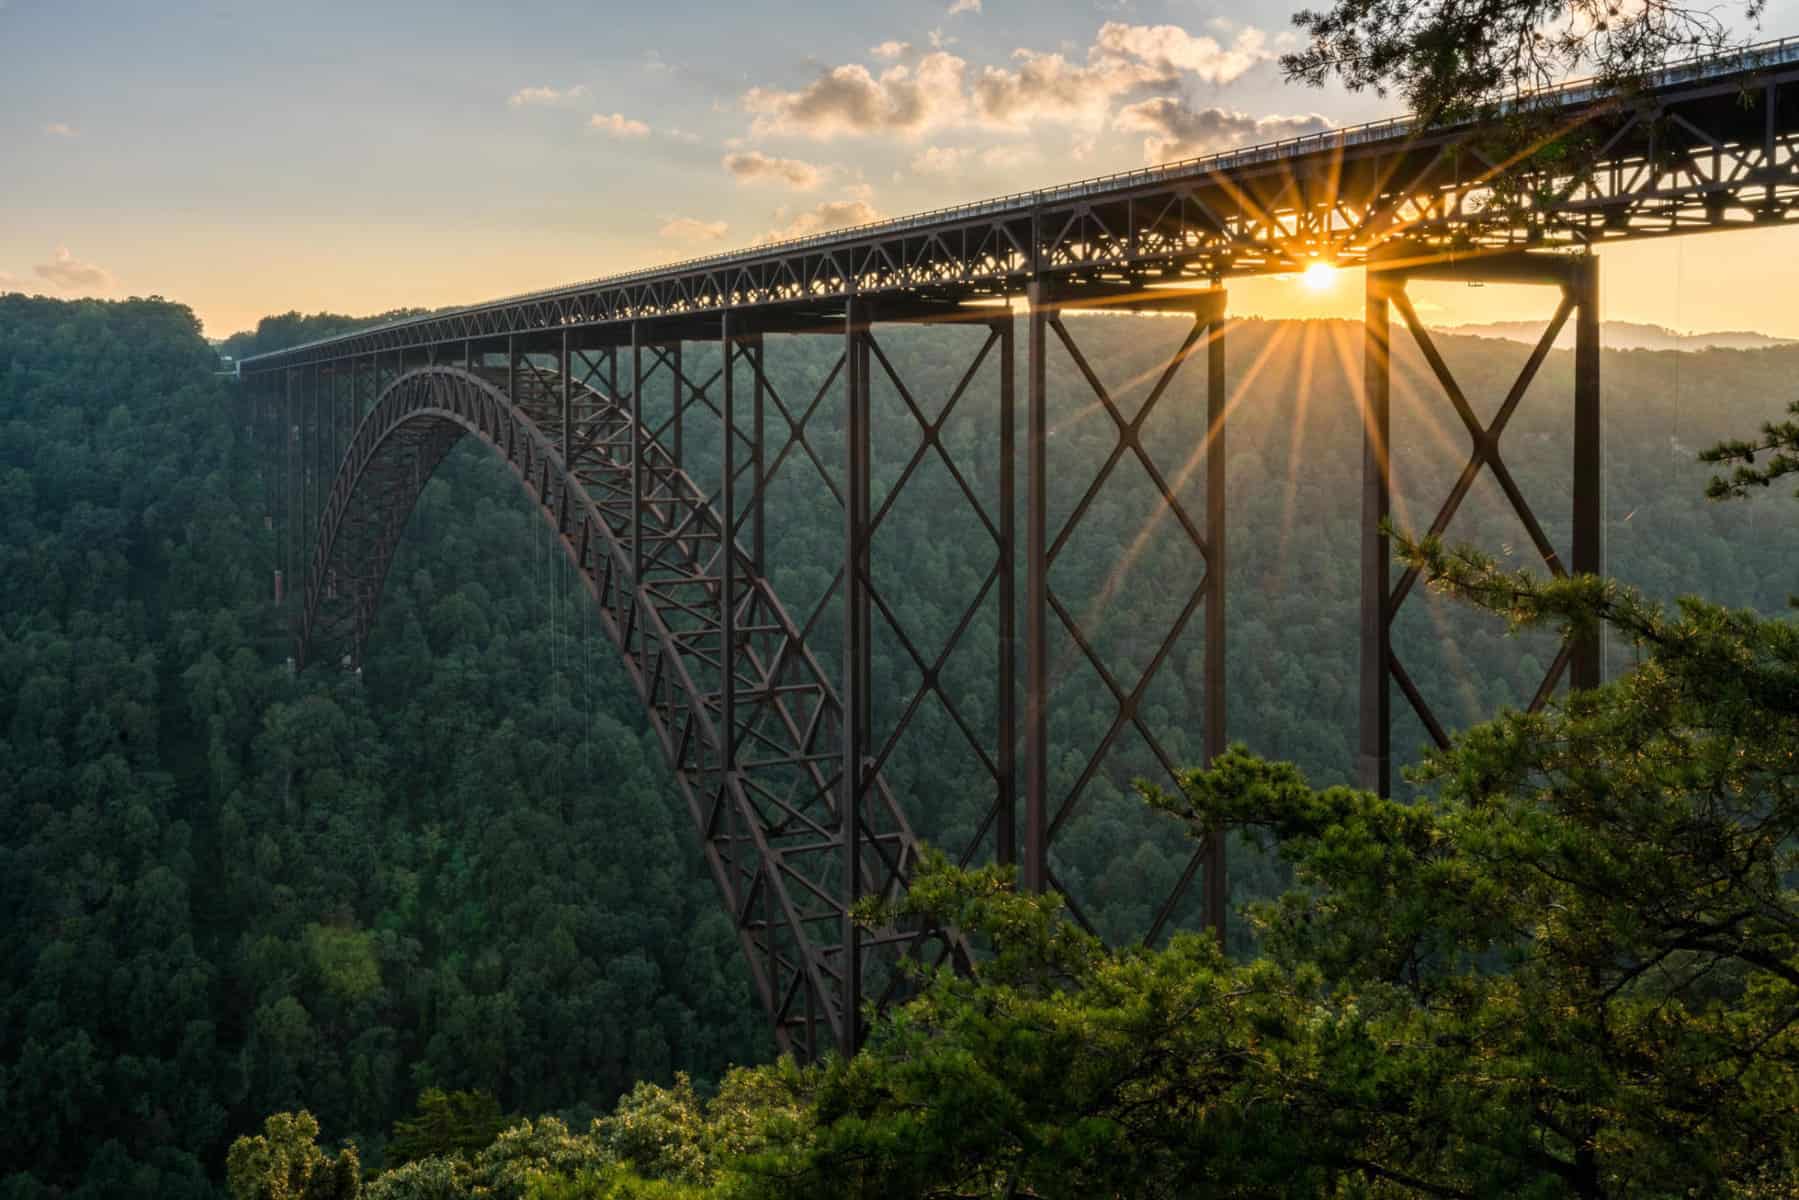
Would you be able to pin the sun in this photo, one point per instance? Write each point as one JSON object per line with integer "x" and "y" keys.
{"x": 1319, "y": 276}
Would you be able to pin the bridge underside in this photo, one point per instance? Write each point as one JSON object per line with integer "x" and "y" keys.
{"x": 642, "y": 444}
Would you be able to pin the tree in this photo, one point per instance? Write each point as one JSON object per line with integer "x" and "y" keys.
{"x": 1779, "y": 440}
{"x": 284, "y": 1162}
{"x": 1570, "y": 969}
{"x": 448, "y": 1125}
{"x": 1452, "y": 60}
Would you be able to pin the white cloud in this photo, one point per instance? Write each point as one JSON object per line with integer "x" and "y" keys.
{"x": 753, "y": 166}
{"x": 890, "y": 50}
{"x": 942, "y": 90}
{"x": 68, "y": 272}
{"x": 1169, "y": 48}
{"x": 832, "y": 214}
{"x": 1045, "y": 87}
{"x": 691, "y": 229}
{"x": 963, "y": 6}
{"x": 60, "y": 129}
{"x": 683, "y": 135}
{"x": 852, "y": 100}
{"x": 545, "y": 97}
{"x": 1174, "y": 129}
{"x": 617, "y": 125}
{"x": 938, "y": 160}
{"x": 1123, "y": 59}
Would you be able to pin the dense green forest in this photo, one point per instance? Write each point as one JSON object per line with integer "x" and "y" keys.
{"x": 235, "y": 891}
{"x": 230, "y": 890}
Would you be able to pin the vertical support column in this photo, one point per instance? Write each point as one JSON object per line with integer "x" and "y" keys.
{"x": 679, "y": 387}
{"x": 309, "y": 456}
{"x": 1587, "y": 552}
{"x": 289, "y": 447}
{"x": 511, "y": 369}
{"x": 636, "y": 454}
{"x": 1217, "y": 558}
{"x": 562, "y": 365}
{"x": 331, "y": 455}
{"x": 727, "y": 591}
{"x": 1005, "y": 825}
{"x": 758, "y": 462}
{"x": 309, "y": 433}
{"x": 1375, "y": 768}
{"x": 1034, "y": 870}
{"x": 856, "y": 658}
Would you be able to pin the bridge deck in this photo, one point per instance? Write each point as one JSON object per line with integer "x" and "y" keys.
{"x": 1708, "y": 144}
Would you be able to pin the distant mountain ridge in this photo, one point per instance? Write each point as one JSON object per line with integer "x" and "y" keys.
{"x": 1628, "y": 335}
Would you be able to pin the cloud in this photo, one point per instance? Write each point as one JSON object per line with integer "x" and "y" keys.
{"x": 852, "y": 100}
{"x": 832, "y": 214}
{"x": 617, "y": 125}
{"x": 942, "y": 89}
{"x": 60, "y": 129}
{"x": 69, "y": 272}
{"x": 1045, "y": 87}
{"x": 938, "y": 160}
{"x": 691, "y": 229}
{"x": 1176, "y": 130}
{"x": 1167, "y": 49}
{"x": 1123, "y": 59}
{"x": 544, "y": 97}
{"x": 962, "y": 6}
{"x": 753, "y": 166}
{"x": 1013, "y": 155}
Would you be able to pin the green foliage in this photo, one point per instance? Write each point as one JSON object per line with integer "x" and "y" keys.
{"x": 284, "y": 1162}
{"x": 345, "y": 960}
{"x": 293, "y": 329}
{"x": 232, "y": 891}
{"x": 1569, "y": 968}
{"x": 1779, "y": 440}
{"x": 1453, "y": 60}
{"x": 448, "y": 1125}
{"x": 658, "y": 1130}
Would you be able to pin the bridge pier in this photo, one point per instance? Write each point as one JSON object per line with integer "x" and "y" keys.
{"x": 1044, "y": 815}
{"x": 1577, "y": 280}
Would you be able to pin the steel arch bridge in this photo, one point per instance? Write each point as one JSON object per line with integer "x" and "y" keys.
{"x": 781, "y": 756}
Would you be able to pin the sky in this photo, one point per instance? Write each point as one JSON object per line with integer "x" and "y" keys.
{"x": 248, "y": 157}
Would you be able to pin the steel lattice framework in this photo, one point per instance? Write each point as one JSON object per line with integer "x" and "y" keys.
{"x": 782, "y": 762}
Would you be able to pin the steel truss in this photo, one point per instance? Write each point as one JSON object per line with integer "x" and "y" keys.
{"x": 743, "y": 710}
{"x": 1046, "y": 815}
{"x": 592, "y": 397}
{"x": 1577, "y": 280}
{"x": 1711, "y": 145}
{"x": 781, "y": 766}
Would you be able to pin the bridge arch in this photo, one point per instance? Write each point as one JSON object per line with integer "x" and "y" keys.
{"x": 767, "y": 809}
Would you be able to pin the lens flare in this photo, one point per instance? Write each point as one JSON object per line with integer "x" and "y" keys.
{"x": 1319, "y": 276}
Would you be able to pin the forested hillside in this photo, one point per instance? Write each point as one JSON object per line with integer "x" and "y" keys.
{"x": 229, "y": 890}
{"x": 233, "y": 891}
